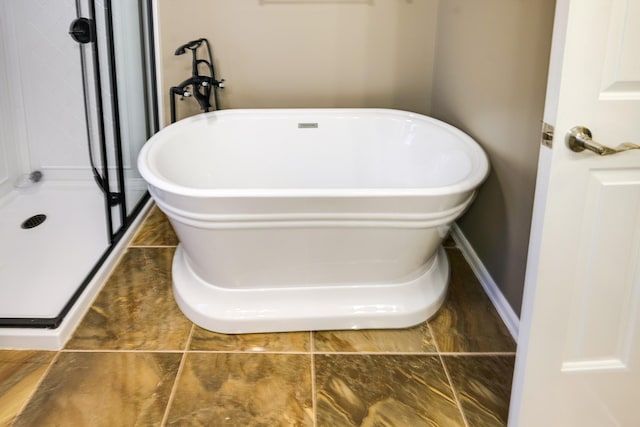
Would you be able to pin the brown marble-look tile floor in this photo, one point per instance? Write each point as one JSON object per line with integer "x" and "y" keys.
{"x": 136, "y": 360}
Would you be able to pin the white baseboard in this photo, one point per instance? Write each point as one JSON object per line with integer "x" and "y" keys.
{"x": 508, "y": 316}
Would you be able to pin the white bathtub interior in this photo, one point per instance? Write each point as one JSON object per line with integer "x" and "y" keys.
{"x": 233, "y": 155}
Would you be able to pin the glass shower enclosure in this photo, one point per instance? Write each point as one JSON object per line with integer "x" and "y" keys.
{"x": 79, "y": 103}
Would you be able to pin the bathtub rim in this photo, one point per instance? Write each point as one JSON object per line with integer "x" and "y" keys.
{"x": 480, "y": 169}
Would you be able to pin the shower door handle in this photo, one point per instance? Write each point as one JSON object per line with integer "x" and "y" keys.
{"x": 579, "y": 139}
{"x": 82, "y": 30}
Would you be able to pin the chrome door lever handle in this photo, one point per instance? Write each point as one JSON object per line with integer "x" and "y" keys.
{"x": 579, "y": 139}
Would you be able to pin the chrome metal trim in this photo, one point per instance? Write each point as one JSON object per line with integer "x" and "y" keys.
{"x": 579, "y": 139}
{"x": 307, "y": 125}
{"x": 547, "y": 135}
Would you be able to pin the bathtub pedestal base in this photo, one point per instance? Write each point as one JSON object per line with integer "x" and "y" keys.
{"x": 309, "y": 308}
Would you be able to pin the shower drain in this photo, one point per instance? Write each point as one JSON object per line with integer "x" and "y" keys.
{"x": 33, "y": 221}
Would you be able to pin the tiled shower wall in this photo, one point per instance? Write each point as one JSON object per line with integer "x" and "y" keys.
{"x": 10, "y": 162}
{"x": 42, "y": 110}
{"x": 43, "y": 90}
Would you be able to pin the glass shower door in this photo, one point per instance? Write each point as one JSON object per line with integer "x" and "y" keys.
{"x": 130, "y": 109}
{"x": 53, "y": 229}
{"x": 64, "y": 116}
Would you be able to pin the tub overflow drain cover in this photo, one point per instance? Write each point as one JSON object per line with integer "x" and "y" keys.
{"x": 33, "y": 221}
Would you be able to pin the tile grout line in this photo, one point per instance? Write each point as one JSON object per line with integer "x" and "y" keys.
{"x": 73, "y": 350}
{"x": 190, "y": 337}
{"x": 479, "y": 353}
{"x": 418, "y": 353}
{"x": 178, "y": 374}
{"x": 349, "y": 353}
{"x": 330, "y": 353}
{"x": 313, "y": 351}
{"x": 153, "y": 246}
{"x": 446, "y": 372}
{"x": 454, "y": 391}
{"x": 342, "y": 353}
{"x": 35, "y": 389}
{"x": 314, "y": 410}
{"x": 245, "y": 352}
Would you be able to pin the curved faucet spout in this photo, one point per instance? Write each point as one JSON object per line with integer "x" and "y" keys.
{"x": 202, "y": 79}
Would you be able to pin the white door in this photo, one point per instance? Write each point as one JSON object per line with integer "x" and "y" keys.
{"x": 578, "y": 361}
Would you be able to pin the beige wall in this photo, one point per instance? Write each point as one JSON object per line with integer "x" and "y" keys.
{"x": 302, "y": 53}
{"x": 489, "y": 80}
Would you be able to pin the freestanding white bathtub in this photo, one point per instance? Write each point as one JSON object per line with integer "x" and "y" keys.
{"x": 311, "y": 219}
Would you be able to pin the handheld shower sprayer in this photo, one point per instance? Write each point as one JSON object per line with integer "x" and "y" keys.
{"x": 201, "y": 84}
{"x": 192, "y": 45}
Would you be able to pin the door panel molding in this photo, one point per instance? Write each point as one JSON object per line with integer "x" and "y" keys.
{"x": 621, "y": 77}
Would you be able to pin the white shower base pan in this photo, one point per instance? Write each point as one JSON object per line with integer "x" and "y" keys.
{"x": 41, "y": 268}
{"x": 305, "y": 308}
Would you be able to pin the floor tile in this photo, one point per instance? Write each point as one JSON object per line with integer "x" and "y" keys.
{"x": 239, "y": 380}
{"x": 246, "y": 390}
{"x": 205, "y": 340}
{"x": 155, "y": 231}
{"x": 468, "y": 322}
{"x": 103, "y": 389}
{"x": 383, "y": 390}
{"x": 136, "y": 309}
{"x": 416, "y": 339}
{"x": 483, "y": 385}
{"x": 20, "y": 373}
